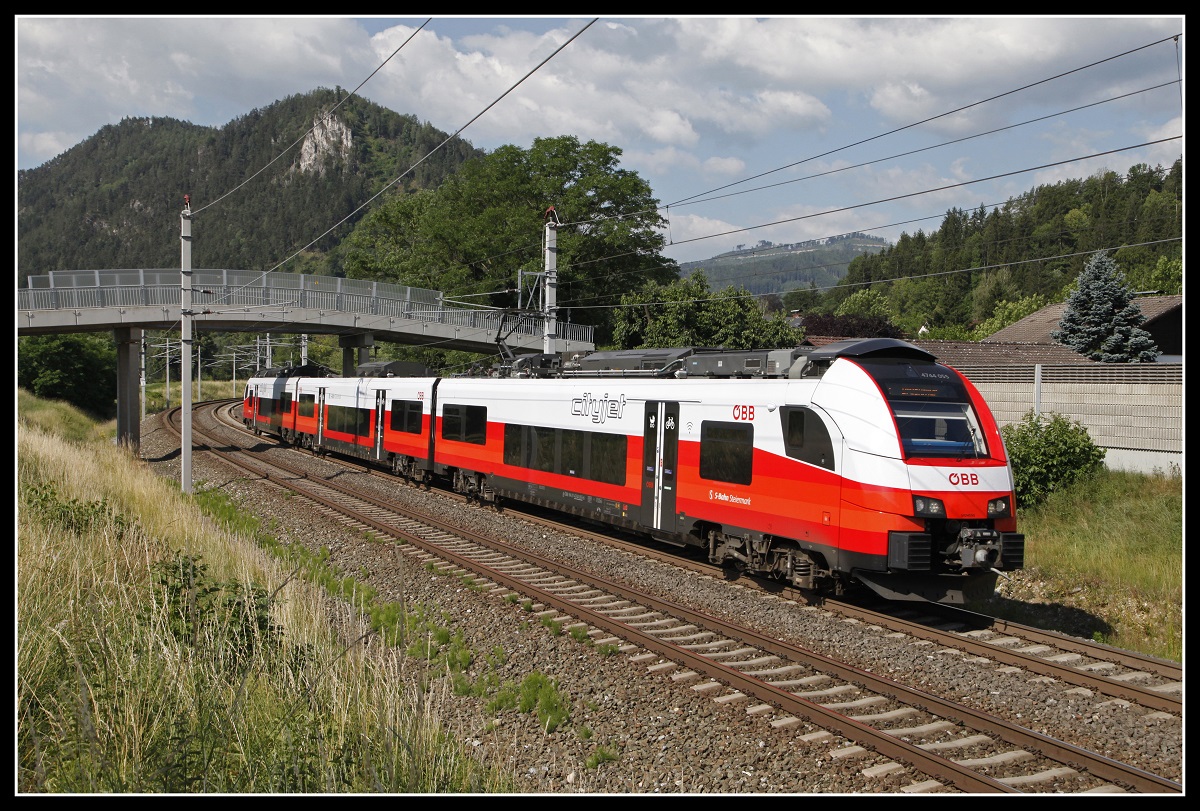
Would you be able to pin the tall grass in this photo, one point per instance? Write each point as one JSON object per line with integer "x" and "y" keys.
{"x": 159, "y": 395}
{"x": 158, "y": 651}
{"x": 1112, "y": 546}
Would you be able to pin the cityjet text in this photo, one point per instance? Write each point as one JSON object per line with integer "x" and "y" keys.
{"x": 598, "y": 409}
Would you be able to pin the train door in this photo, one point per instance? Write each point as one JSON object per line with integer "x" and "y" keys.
{"x": 254, "y": 408}
{"x": 380, "y": 416}
{"x": 320, "y": 440}
{"x": 661, "y": 443}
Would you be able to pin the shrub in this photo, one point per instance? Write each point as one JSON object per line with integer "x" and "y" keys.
{"x": 1047, "y": 453}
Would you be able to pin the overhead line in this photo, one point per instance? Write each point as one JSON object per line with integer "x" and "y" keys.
{"x": 443, "y": 143}
{"x": 927, "y": 120}
{"x": 886, "y": 200}
{"x": 314, "y": 126}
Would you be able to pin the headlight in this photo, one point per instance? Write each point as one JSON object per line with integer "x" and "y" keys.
{"x": 999, "y": 507}
{"x": 928, "y": 507}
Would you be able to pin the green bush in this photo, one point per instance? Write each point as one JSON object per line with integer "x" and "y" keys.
{"x": 1047, "y": 453}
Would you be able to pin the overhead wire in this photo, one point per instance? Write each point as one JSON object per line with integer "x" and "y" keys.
{"x": 443, "y": 143}
{"x": 699, "y": 198}
{"x": 568, "y": 303}
{"x": 993, "y": 266}
{"x": 419, "y": 162}
{"x": 932, "y": 118}
{"x": 312, "y": 129}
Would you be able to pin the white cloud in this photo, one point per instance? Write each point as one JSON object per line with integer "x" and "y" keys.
{"x": 724, "y": 166}
{"x": 694, "y": 103}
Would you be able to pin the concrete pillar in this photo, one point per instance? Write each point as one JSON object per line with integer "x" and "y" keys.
{"x": 129, "y": 397}
{"x": 349, "y": 343}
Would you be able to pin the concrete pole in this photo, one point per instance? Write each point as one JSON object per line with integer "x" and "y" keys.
{"x": 185, "y": 312}
{"x": 550, "y": 290}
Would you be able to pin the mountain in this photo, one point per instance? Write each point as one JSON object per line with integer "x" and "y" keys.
{"x": 114, "y": 200}
{"x": 770, "y": 268}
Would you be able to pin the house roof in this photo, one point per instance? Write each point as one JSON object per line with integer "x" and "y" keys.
{"x": 1028, "y": 341}
{"x": 994, "y": 353}
{"x": 1001, "y": 353}
{"x": 1036, "y": 328}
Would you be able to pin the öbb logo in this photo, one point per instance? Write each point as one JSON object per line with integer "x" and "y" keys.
{"x": 964, "y": 479}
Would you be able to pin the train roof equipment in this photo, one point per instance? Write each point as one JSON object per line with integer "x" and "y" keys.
{"x": 304, "y": 370}
{"x": 720, "y": 363}
{"x": 392, "y": 368}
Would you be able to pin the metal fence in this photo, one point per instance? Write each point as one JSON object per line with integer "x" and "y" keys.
{"x": 73, "y": 289}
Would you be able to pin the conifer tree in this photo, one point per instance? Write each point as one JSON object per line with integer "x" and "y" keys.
{"x": 1101, "y": 319}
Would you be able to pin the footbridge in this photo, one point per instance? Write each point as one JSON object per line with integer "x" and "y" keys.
{"x": 359, "y": 312}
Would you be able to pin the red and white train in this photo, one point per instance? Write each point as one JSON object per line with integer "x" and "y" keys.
{"x": 861, "y": 463}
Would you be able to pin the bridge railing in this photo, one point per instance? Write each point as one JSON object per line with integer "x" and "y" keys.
{"x": 74, "y": 289}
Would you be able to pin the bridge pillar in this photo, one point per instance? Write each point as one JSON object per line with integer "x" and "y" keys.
{"x": 129, "y": 395}
{"x": 349, "y": 343}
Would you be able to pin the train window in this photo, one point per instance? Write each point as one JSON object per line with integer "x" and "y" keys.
{"x": 939, "y": 429}
{"x": 514, "y": 444}
{"x": 307, "y": 405}
{"x": 349, "y": 420}
{"x": 584, "y": 454}
{"x": 541, "y": 455}
{"x": 726, "y": 451}
{"x": 335, "y": 419}
{"x": 571, "y": 456}
{"x": 285, "y": 403}
{"x": 406, "y": 416}
{"x": 465, "y": 423}
{"x": 607, "y": 458}
{"x": 806, "y": 438}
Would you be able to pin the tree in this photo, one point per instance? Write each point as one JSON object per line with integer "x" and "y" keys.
{"x": 1102, "y": 320}
{"x": 867, "y": 303}
{"x": 849, "y": 326}
{"x": 80, "y": 369}
{"x": 481, "y": 231}
{"x": 1006, "y": 313}
{"x": 1166, "y": 277}
{"x": 688, "y": 313}
{"x": 802, "y": 299}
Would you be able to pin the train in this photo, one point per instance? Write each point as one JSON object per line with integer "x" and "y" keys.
{"x": 861, "y": 464}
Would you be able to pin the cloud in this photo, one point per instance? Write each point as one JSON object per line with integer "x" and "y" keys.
{"x": 724, "y": 166}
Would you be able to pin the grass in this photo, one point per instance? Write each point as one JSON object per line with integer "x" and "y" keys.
{"x": 156, "y": 393}
{"x": 164, "y": 650}
{"x": 1104, "y": 560}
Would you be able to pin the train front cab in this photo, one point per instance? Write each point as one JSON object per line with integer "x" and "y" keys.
{"x": 928, "y": 505}
{"x": 266, "y": 404}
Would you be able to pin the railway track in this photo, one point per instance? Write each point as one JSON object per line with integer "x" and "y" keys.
{"x": 946, "y": 745}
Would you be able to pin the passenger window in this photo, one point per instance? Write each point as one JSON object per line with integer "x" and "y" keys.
{"x": 806, "y": 438}
{"x": 727, "y": 451}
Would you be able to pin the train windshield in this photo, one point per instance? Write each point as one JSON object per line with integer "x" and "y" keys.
{"x": 933, "y": 412}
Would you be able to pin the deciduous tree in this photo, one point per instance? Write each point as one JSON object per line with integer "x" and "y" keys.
{"x": 688, "y": 313}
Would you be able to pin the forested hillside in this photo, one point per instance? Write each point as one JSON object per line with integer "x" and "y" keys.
{"x": 769, "y": 268}
{"x": 1031, "y": 248}
{"x": 113, "y": 201}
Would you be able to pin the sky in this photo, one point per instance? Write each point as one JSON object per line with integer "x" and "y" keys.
{"x": 748, "y": 130}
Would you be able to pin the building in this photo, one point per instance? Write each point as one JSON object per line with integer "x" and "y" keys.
{"x": 1164, "y": 322}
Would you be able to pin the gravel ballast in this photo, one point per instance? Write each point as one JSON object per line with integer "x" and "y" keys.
{"x": 667, "y": 737}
